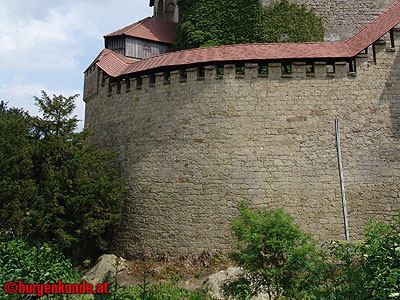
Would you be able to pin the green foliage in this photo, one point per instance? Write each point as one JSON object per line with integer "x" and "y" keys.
{"x": 17, "y": 186}
{"x": 367, "y": 270}
{"x": 206, "y": 23}
{"x": 380, "y": 258}
{"x": 289, "y": 23}
{"x": 343, "y": 276}
{"x": 216, "y": 22}
{"x": 163, "y": 292}
{"x": 145, "y": 291}
{"x": 277, "y": 255}
{"x": 55, "y": 185}
{"x": 34, "y": 264}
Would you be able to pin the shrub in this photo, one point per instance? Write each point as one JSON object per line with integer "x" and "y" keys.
{"x": 34, "y": 264}
{"x": 369, "y": 269}
{"x": 343, "y": 277}
{"x": 278, "y": 256}
{"x": 380, "y": 259}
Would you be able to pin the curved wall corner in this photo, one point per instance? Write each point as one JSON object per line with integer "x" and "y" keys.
{"x": 192, "y": 147}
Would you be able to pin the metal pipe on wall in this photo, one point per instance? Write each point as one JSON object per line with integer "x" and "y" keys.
{"x": 339, "y": 153}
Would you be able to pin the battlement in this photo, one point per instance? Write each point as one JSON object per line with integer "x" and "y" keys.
{"x": 277, "y": 70}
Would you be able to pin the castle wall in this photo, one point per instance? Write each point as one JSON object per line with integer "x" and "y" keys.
{"x": 192, "y": 147}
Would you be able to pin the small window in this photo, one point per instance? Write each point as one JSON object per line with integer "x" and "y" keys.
{"x": 139, "y": 82}
{"x": 167, "y": 77}
{"x": 182, "y": 75}
{"x": 127, "y": 84}
{"x": 310, "y": 68}
{"x": 330, "y": 68}
{"x": 152, "y": 79}
{"x": 239, "y": 70}
{"x": 201, "y": 72}
{"x": 286, "y": 68}
{"x": 103, "y": 78}
{"x": 263, "y": 69}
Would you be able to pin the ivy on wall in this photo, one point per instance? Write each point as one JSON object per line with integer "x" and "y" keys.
{"x": 204, "y": 23}
{"x": 289, "y": 23}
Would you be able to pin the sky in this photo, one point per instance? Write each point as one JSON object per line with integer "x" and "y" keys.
{"x": 48, "y": 44}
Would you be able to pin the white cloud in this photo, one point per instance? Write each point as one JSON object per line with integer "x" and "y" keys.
{"x": 22, "y": 96}
{"x": 50, "y": 35}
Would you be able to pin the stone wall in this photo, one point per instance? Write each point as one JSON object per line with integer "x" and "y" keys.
{"x": 192, "y": 147}
{"x": 344, "y": 18}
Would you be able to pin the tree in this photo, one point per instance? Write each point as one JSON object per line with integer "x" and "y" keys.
{"x": 206, "y": 23}
{"x": 17, "y": 186}
{"x": 55, "y": 185}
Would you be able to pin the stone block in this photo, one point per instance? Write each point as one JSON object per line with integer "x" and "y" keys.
{"x": 274, "y": 70}
{"x": 251, "y": 70}
{"x": 210, "y": 72}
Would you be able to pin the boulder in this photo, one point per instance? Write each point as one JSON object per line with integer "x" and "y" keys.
{"x": 215, "y": 283}
{"x": 105, "y": 264}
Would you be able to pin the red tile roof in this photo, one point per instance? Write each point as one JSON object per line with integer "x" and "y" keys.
{"x": 116, "y": 66}
{"x": 375, "y": 30}
{"x": 245, "y": 52}
{"x": 112, "y": 62}
{"x": 150, "y": 29}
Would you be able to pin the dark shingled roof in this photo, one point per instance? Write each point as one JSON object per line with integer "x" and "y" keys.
{"x": 116, "y": 66}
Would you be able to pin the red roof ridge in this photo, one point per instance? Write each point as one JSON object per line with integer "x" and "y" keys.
{"x": 376, "y": 29}
{"x": 120, "y": 57}
{"x": 101, "y": 54}
{"x": 149, "y": 29}
{"x": 124, "y": 29}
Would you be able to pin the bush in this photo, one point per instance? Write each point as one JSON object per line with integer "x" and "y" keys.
{"x": 278, "y": 256}
{"x": 380, "y": 258}
{"x": 34, "y": 264}
{"x": 366, "y": 270}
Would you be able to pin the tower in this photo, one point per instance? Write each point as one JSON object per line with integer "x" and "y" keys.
{"x": 165, "y": 10}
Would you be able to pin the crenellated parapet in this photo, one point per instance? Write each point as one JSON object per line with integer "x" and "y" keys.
{"x": 268, "y": 70}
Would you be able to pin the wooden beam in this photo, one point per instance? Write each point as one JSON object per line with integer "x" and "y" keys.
{"x": 374, "y": 52}
{"x": 352, "y": 65}
{"x": 392, "y": 38}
